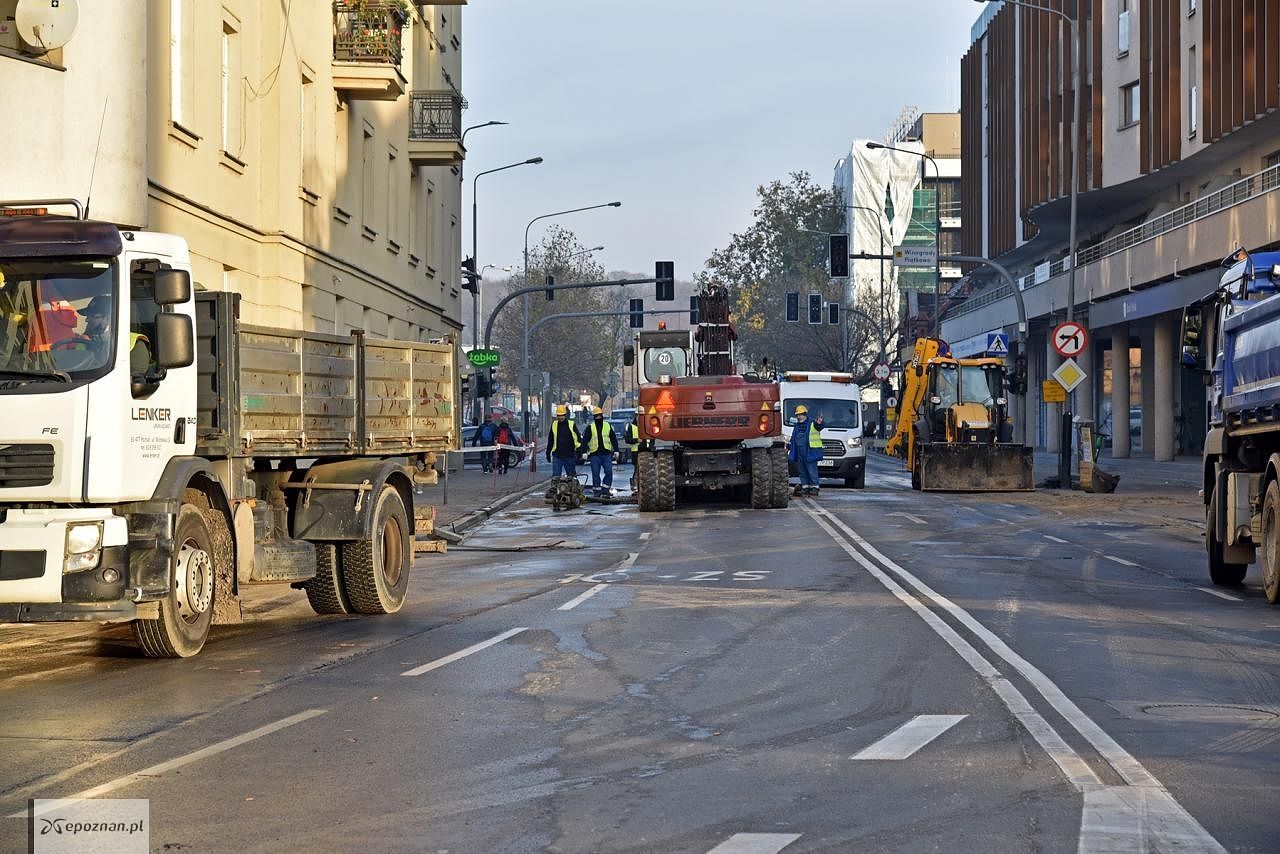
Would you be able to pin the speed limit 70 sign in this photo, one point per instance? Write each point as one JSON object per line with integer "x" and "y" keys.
{"x": 1070, "y": 339}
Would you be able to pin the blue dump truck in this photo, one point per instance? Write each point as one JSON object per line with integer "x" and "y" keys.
{"x": 1242, "y": 448}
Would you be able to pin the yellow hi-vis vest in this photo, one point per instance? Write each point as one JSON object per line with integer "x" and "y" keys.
{"x": 633, "y": 436}
{"x": 815, "y": 437}
{"x": 595, "y": 439}
{"x": 555, "y": 434}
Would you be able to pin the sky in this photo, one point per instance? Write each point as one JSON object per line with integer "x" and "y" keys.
{"x": 680, "y": 109}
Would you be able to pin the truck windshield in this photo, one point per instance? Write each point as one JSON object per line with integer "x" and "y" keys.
{"x": 56, "y": 319}
{"x": 979, "y": 385}
{"x": 841, "y": 414}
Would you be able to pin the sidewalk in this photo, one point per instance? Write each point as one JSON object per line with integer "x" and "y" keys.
{"x": 471, "y": 490}
{"x": 1137, "y": 473}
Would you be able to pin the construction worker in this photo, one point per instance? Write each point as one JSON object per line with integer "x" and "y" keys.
{"x": 601, "y": 442}
{"x": 562, "y": 445}
{"x": 633, "y": 441}
{"x": 806, "y": 449}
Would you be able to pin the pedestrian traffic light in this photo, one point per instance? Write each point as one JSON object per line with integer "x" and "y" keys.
{"x": 483, "y": 388}
{"x": 833, "y": 313}
{"x": 465, "y": 384}
{"x": 838, "y": 246}
{"x": 793, "y": 306}
{"x": 470, "y": 280}
{"x": 815, "y": 308}
{"x": 636, "y": 320}
{"x": 551, "y": 283}
{"x": 693, "y": 310}
{"x": 664, "y": 272}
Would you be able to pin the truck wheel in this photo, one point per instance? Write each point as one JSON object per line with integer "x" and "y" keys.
{"x": 375, "y": 571}
{"x": 779, "y": 489}
{"x": 858, "y": 481}
{"x": 1220, "y": 572}
{"x": 665, "y": 464}
{"x": 761, "y": 479}
{"x": 1268, "y": 556}
{"x": 326, "y": 592}
{"x": 187, "y": 612}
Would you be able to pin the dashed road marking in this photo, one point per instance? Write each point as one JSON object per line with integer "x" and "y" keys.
{"x": 463, "y": 653}
{"x": 1220, "y": 594}
{"x": 1120, "y": 560}
{"x": 910, "y": 737}
{"x": 1055, "y": 539}
{"x": 568, "y": 579}
{"x": 646, "y": 535}
{"x": 911, "y": 517}
{"x": 186, "y": 759}
{"x": 755, "y": 843}
{"x": 582, "y": 597}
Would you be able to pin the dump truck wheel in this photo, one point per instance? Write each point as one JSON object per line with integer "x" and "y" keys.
{"x": 326, "y": 593}
{"x": 1268, "y": 556}
{"x": 779, "y": 489}
{"x": 761, "y": 479}
{"x": 646, "y": 482}
{"x": 665, "y": 464}
{"x": 187, "y": 611}
{"x": 1220, "y": 572}
{"x": 375, "y": 571}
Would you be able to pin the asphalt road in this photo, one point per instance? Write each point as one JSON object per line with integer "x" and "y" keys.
{"x": 872, "y": 670}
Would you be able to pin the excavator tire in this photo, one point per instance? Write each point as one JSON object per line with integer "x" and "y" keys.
{"x": 646, "y": 482}
{"x": 761, "y": 479}
{"x": 665, "y": 464}
{"x": 915, "y": 469}
{"x": 779, "y": 489}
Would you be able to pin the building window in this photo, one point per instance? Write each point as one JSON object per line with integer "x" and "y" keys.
{"x": 182, "y": 82}
{"x": 367, "y": 188}
{"x": 1122, "y": 28}
{"x": 1191, "y": 8}
{"x": 393, "y": 203}
{"x": 1271, "y": 160}
{"x": 1130, "y": 105}
{"x": 307, "y": 130}
{"x": 1193, "y": 93}
{"x": 232, "y": 104}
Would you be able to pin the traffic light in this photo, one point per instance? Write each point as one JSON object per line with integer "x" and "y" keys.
{"x": 483, "y": 386}
{"x": 551, "y": 283}
{"x": 693, "y": 310}
{"x": 466, "y": 384}
{"x": 839, "y": 250}
{"x": 665, "y": 274}
{"x": 493, "y": 382}
{"x": 815, "y": 308}
{"x": 470, "y": 280}
{"x": 636, "y": 320}
{"x": 833, "y": 313}
{"x": 793, "y": 306}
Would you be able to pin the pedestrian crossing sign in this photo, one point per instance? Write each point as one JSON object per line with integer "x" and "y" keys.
{"x": 997, "y": 344}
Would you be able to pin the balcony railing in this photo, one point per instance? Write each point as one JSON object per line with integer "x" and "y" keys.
{"x": 367, "y": 31}
{"x": 436, "y": 115}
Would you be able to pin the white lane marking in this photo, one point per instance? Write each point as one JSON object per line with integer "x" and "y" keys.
{"x": 582, "y": 597}
{"x": 646, "y": 535}
{"x": 569, "y": 578}
{"x": 628, "y": 562}
{"x": 1120, "y": 560}
{"x": 910, "y": 737}
{"x": 1165, "y": 818}
{"x": 463, "y": 653}
{"x": 1135, "y": 818}
{"x": 983, "y": 557}
{"x": 910, "y": 517}
{"x": 755, "y": 843}
{"x": 1220, "y": 594}
{"x": 1055, "y": 539}
{"x": 187, "y": 759}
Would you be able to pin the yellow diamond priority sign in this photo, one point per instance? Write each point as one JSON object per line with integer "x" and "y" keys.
{"x": 1069, "y": 374}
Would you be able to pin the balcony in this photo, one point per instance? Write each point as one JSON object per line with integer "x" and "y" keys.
{"x": 366, "y": 49}
{"x": 435, "y": 128}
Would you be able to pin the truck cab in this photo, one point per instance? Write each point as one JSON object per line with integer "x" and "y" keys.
{"x": 838, "y": 401}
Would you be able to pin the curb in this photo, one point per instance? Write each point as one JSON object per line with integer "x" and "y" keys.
{"x": 475, "y": 517}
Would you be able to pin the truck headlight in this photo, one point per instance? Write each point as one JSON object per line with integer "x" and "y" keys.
{"x": 83, "y": 546}
{"x": 855, "y": 442}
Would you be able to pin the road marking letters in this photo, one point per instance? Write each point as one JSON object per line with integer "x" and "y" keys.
{"x": 910, "y": 737}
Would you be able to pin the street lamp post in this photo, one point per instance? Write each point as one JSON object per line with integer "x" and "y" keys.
{"x": 937, "y": 229}
{"x": 524, "y": 397}
{"x": 1064, "y": 443}
{"x": 475, "y": 312}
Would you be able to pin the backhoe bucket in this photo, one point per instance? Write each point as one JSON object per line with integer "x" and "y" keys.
{"x": 976, "y": 467}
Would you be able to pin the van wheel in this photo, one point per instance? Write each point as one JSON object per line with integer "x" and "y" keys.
{"x": 375, "y": 571}
{"x": 187, "y": 611}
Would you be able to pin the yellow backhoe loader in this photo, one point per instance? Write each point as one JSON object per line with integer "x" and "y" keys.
{"x": 954, "y": 431}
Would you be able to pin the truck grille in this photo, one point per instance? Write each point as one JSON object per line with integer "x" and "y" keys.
{"x": 25, "y": 465}
{"x": 832, "y": 448}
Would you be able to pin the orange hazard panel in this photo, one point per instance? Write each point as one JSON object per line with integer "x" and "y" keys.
{"x": 666, "y": 401}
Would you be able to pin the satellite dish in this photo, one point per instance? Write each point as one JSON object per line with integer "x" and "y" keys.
{"x": 46, "y": 24}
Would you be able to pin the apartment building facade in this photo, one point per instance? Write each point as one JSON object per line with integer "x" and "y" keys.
{"x": 1179, "y": 164}
{"x": 310, "y": 153}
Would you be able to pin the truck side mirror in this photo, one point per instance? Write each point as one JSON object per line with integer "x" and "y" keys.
{"x": 628, "y": 355}
{"x": 175, "y": 340}
{"x": 171, "y": 287}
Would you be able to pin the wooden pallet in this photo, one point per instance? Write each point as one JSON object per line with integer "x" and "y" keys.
{"x": 429, "y": 546}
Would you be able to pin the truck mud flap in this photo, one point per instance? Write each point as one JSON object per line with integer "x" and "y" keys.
{"x": 976, "y": 468}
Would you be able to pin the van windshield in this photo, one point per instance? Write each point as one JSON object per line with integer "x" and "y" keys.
{"x": 841, "y": 414}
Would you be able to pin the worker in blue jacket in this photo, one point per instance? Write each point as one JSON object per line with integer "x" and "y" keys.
{"x": 806, "y": 449}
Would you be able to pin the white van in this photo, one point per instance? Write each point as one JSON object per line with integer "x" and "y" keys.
{"x": 836, "y": 398}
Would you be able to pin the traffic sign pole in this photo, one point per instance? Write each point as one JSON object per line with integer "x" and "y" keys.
{"x": 1069, "y": 339}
